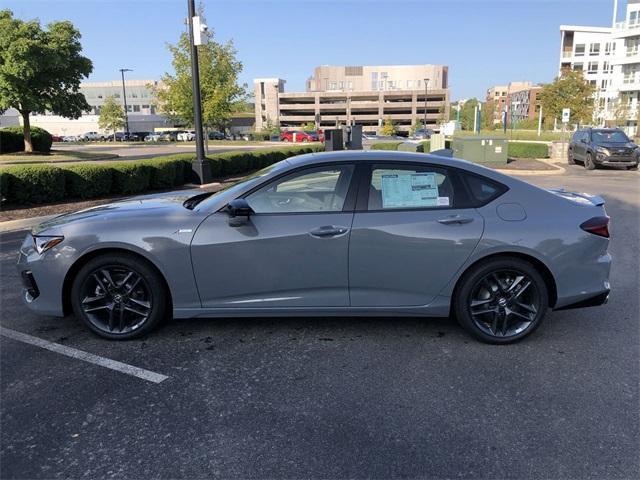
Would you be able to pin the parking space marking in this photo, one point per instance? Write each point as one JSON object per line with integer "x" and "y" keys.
{"x": 85, "y": 356}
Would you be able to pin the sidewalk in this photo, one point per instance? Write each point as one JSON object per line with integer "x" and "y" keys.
{"x": 23, "y": 223}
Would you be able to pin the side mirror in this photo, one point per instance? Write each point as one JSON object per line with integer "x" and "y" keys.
{"x": 583, "y": 140}
{"x": 238, "y": 211}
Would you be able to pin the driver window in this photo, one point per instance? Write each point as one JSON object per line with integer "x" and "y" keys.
{"x": 312, "y": 190}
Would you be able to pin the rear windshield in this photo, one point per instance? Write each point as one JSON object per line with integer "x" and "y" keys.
{"x": 615, "y": 136}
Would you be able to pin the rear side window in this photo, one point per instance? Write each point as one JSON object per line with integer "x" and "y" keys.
{"x": 482, "y": 189}
{"x": 410, "y": 187}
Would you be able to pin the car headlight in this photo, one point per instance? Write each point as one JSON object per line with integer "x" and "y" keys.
{"x": 43, "y": 243}
{"x": 602, "y": 150}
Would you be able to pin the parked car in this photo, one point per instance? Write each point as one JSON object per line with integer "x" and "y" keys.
{"x": 71, "y": 138}
{"x": 186, "y": 136}
{"x": 57, "y": 138}
{"x": 602, "y": 146}
{"x": 171, "y": 136}
{"x": 140, "y": 136}
{"x": 153, "y": 137}
{"x": 300, "y": 136}
{"x": 426, "y": 236}
{"x": 422, "y": 134}
{"x": 91, "y": 137}
{"x": 216, "y": 135}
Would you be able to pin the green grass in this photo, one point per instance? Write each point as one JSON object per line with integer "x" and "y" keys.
{"x": 54, "y": 156}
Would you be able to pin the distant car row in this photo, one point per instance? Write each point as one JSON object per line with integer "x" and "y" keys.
{"x": 172, "y": 136}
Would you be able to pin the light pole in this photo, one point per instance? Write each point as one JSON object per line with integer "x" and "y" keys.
{"x": 200, "y": 166}
{"x": 124, "y": 97}
{"x": 426, "y": 91}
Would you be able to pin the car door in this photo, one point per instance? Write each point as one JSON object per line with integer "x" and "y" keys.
{"x": 410, "y": 235}
{"x": 291, "y": 252}
{"x": 580, "y": 145}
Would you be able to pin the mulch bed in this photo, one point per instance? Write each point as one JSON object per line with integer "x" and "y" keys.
{"x": 526, "y": 164}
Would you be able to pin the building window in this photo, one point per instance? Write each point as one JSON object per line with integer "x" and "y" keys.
{"x": 632, "y": 46}
{"x": 350, "y": 85}
{"x": 136, "y": 108}
{"x": 594, "y": 49}
{"x": 633, "y": 18}
{"x": 593, "y": 67}
{"x": 332, "y": 85}
{"x": 409, "y": 84}
{"x": 578, "y": 67}
{"x": 341, "y": 85}
{"x": 604, "y": 83}
{"x": 610, "y": 48}
{"x": 579, "y": 51}
{"x": 374, "y": 80}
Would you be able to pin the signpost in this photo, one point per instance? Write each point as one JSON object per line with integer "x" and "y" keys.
{"x": 566, "y": 115}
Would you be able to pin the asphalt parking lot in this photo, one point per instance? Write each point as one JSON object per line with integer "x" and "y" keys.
{"x": 335, "y": 397}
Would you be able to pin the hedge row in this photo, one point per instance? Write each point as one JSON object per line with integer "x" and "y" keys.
{"x": 528, "y": 150}
{"x": 48, "y": 183}
{"x": 423, "y": 146}
{"x": 385, "y": 146}
{"x": 12, "y": 140}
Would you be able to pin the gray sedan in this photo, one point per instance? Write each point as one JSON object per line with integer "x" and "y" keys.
{"x": 341, "y": 233}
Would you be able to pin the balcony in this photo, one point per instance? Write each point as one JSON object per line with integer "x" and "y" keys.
{"x": 626, "y": 29}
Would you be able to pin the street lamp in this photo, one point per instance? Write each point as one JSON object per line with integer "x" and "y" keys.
{"x": 426, "y": 91}
{"x": 124, "y": 96}
{"x": 200, "y": 166}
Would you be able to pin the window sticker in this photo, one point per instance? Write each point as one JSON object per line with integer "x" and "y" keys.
{"x": 410, "y": 190}
{"x": 443, "y": 201}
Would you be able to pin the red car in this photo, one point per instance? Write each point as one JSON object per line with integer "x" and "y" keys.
{"x": 56, "y": 138}
{"x": 300, "y": 136}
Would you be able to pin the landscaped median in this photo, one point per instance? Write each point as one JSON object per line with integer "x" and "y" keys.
{"x": 35, "y": 184}
{"x": 516, "y": 149}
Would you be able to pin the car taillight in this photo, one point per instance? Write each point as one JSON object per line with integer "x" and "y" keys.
{"x": 597, "y": 225}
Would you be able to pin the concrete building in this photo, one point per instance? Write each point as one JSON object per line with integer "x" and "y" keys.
{"x": 498, "y": 95}
{"x": 141, "y": 108}
{"x": 362, "y": 95}
{"x": 609, "y": 57}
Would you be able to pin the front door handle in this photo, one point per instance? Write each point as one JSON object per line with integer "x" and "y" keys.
{"x": 328, "y": 231}
{"x": 455, "y": 220}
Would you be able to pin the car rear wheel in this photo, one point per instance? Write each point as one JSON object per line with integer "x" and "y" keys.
{"x": 285, "y": 140}
{"x": 119, "y": 296}
{"x": 588, "y": 162}
{"x": 570, "y": 159}
{"x": 501, "y": 300}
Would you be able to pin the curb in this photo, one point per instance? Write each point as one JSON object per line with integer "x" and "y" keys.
{"x": 557, "y": 170}
{"x": 23, "y": 223}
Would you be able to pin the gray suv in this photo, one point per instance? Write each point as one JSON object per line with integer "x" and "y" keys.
{"x": 602, "y": 146}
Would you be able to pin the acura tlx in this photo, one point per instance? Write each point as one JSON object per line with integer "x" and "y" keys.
{"x": 342, "y": 233}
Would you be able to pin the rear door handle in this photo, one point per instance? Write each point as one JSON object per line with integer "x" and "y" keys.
{"x": 328, "y": 231}
{"x": 455, "y": 220}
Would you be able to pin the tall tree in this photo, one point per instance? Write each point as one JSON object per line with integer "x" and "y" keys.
{"x": 569, "y": 90}
{"x": 111, "y": 116}
{"x": 467, "y": 112}
{"x": 219, "y": 69}
{"x": 41, "y": 69}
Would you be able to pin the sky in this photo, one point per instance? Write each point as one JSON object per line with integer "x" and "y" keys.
{"x": 483, "y": 42}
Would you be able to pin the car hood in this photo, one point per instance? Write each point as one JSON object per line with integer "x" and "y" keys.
{"x": 617, "y": 145}
{"x": 146, "y": 204}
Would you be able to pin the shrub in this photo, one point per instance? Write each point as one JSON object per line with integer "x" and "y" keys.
{"x": 385, "y": 146}
{"x": 88, "y": 181}
{"x": 47, "y": 183}
{"x": 528, "y": 150}
{"x": 130, "y": 177}
{"x": 12, "y": 139}
{"x": 411, "y": 147}
{"x": 33, "y": 183}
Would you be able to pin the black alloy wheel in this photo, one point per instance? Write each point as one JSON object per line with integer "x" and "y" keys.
{"x": 119, "y": 296}
{"x": 501, "y": 300}
{"x": 588, "y": 162}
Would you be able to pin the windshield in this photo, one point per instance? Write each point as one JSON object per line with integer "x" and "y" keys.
{"x": 238, "y": 186}
{"x": 613, "y": 136}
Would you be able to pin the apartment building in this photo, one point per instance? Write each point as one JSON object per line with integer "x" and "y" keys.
{"x": 524, "y": 104}
{"x": 609, "y": 57}
{"x": 497, "y": 98}
{"x": 362, "y": 95}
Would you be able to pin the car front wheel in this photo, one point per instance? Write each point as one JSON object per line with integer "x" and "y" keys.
{"x": 588, "y": 162}
{"x": 119, "y": 296}
{"x": 570, "y": 159}
{"x": 501, "y": 300}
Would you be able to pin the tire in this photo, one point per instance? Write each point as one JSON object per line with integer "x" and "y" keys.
{"x": 633, "y": 167}
{"x": 285, "y": 140}
{"x": 128, "y": 301}
{"x": 588, "y": 162}
{"x": 493, "y": 320}
{"x": 570, "y": 159}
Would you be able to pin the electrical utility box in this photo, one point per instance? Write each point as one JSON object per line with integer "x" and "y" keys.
{"x": 436, "y": 142}
{"x": 333, "y": 140}
{"x": 352, "y": 136}
{"x": 491, "y": 150}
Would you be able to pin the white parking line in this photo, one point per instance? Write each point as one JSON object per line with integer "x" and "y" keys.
{"x": 85, "y": 356}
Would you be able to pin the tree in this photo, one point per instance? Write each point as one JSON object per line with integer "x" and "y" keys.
{"x": 111, "y": 116}
{"x": 569, "y": 90}
{"x": 41, "y": 70}
{"x": 416, "y": 126}
{"x": 388, "y": 128}
{"x": 467, "y": 112}
{"x": 219, "y": 89}
{"x": 308, "y": 127}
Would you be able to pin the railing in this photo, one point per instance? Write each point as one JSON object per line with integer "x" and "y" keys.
{"x": 626, "y": 25}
